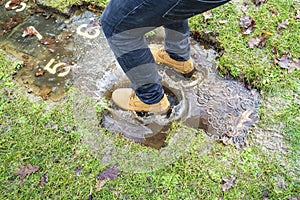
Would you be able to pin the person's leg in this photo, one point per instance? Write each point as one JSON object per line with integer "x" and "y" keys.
{"x": 177, "y": 44}
{"x": 177, "y": 41}
{"x": 176, "y": 52}
{"x": 125, "y": 22}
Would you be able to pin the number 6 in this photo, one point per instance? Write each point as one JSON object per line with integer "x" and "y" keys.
{"x": 86, "y": 33}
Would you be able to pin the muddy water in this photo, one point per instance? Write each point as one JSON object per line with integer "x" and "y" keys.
{"x": 225, "y": 109}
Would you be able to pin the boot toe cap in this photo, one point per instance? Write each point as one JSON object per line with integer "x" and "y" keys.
{"x": 121, "y": 97}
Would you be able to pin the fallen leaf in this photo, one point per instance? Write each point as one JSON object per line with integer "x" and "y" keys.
{"x": 244, "y": 118}
{"x": 94, "y": 23}
{"x": 207, "y": 15}
{"x": 110, "y": 173}
{"x": 2, "y": 2}
{"x": 284, "y": 61}
{"x": 274, "y": 12}
{"x": 24, "y": 171}
{"x": 8, "y": 91}
{"x": 95, "y": 9}
{"x": 298, "y": 14}
{"x": 228, "y": 183}
{"x": 45, "y": 91}
{"x": 48, "y": 40}
{"x": 100, "y": 184}
{"x": 283, "y": 24}
{"x": 25, "y": 57}
{"x": 245, "y": 7}
{"x": 51, "y": 42}
{"x": 266, "y": 32}
{"x": 294, "y": 198}
{"x": 274, "y": 50}
{"x": 77, "y": 171}
{"x": 224, "y": 21}
{"x": 253, "y": 42}
{"x": 91, "y": 194}
{"x": 40, "y": 72}
{"x": 12, "y": 22}
{"x": 29, "y": 31}
{"x": 247, "y": 24}
{"x": 294, "y": 65}
{"x": 258, "y": 2}
{"x": 44, "y": 180}
{"x": 263, "y": 41}
{"x": 259, "y": 41}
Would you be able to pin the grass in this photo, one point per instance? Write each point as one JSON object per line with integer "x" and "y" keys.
{"x": 52, "y": 138}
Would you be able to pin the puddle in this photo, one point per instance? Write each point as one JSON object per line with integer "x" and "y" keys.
{"x": 225, "y": 109}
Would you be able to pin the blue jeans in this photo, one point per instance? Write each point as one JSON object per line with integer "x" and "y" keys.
{"x": 125, "y": 22}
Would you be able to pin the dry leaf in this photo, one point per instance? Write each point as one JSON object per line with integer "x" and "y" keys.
{"x": 110, "y": 173}
{"x": 274, "y": 50}
{"x": 45, "y": 91}
{"x": 294, "y": 65}
{"x": 40, "y": 72}
{"x": 24, "y": 171}
{"x": 298, "y": 14}
{"x": 2, "y": 2}
{"x": 77, "y": 171}
{"x": 228, "y": 183}
{"x": 207, "y": 15}
{"x": 294, "y": 198}
{"x": 100, "y": 184}
{"x": 44, "y": 180}
{"x": 247, "y": 24}
{"x": 284, "y": 61}
{"x": 12, "y": 22}
{"x": 259, "y": 41}
{"x": 274, "y": 12}
{"x": 253, "y": 42}
{"x": 283, "y": 24}
{"x": 91, "y": 194}
{"x": 245, "y": 7}
{"x": 29, "y": 31}
{"x": 244, "y": 118}
{"x": 223, "y": 21}
{"x": 258, "y": 2}
{"x": 48, "y": 40}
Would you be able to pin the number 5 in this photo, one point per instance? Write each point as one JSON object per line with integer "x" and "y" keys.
{"x": 53, "y": 70}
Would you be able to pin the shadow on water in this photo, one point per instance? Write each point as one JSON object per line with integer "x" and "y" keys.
{"x": 74, "y": 52}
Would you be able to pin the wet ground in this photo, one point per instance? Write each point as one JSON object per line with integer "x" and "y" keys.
{"x": 74, "y": 52}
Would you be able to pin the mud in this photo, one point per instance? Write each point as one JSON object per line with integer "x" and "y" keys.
{"x": 224, "y": 108}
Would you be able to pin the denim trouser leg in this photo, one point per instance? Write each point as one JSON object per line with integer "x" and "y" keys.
{"x": 177, "y": 41}
{"x": 125, "y": 22}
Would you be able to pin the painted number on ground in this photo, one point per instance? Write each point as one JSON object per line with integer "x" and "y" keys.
{"x": 53, "y": 70}
{"x": 16, "y": 8}
{"x": 90, "y": 33}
